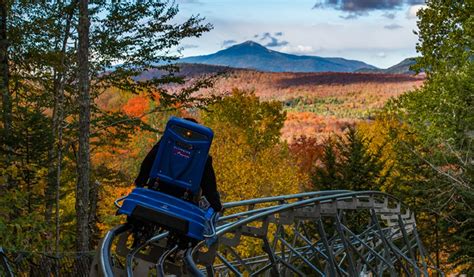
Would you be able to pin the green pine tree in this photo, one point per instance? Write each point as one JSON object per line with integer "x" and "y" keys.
{"x": 348, "y": 164}
{"x": 327, "y": 177}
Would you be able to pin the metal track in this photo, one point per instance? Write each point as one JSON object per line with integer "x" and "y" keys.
{"x": 327, "y": 233}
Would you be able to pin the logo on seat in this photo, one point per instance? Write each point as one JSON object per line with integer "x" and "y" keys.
{"x": 181, "y": 152}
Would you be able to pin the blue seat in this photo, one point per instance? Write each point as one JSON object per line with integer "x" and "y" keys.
{"x": 180, "y": 162}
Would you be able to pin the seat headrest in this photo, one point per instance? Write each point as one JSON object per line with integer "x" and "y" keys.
{"x": 182, "y": 154}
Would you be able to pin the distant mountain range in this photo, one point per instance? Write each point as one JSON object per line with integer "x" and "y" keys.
{"x": 252, "y": 55}
{"x": 402, "y": 67}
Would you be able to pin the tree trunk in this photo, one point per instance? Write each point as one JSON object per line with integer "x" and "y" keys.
{"x": 437, "y": 244}
{"x": 55, "y": 151}
{"x": 94, "y": 195}
{"x": 83, "y": 163}
{"x": 4, "y": 88}
{"x": 49, "y": 191}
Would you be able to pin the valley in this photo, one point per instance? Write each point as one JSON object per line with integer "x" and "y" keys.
{"x": 319, "y": 104}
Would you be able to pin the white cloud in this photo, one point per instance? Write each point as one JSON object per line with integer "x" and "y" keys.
{"x": 298, "y": 49}
{"x": 381, "y": 55}
{"x": 412, "y": 10}
{"x": 228, "y": 43}
{"x": 189, "y": 46}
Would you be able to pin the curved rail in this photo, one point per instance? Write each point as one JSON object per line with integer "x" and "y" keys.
{"x": 325, "y": 233}
{"x": 105, "y": 257}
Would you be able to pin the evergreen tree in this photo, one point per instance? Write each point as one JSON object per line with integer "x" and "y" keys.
{"x": 327, "y": 176}
{"x": 348, "y": 164}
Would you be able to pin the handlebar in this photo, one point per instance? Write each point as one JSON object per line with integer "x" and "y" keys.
{"x": 116, "y": 202}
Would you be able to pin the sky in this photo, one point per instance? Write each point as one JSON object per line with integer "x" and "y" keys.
{"x": 378, "y": 32}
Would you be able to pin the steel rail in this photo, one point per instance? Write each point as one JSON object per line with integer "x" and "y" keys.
{"x": 323, "y": 198}
{"x": 5, "y": 264}
{"x": 371, "y": 245}
{"x": 160, "y": 270}
{"x": 280, "y": 198}
{"x": 131, "y": 255}
{"x": 284, "y": 207}
{"x": 105, "y": 258}
{"x": 264, "y": 258}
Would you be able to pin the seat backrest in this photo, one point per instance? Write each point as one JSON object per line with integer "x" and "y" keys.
{"x": 182, "y": 154}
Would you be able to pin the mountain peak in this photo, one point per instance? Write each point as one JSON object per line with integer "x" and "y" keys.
{"x": 248, "y": 46}
{"x": 403, "y": 67}
{"x": 250, "y": 43}
{"x": 250, "y": 54}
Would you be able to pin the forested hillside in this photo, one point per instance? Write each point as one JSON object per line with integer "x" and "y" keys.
{"x": 317, "y": 104}
{"x": 82, "y": 104}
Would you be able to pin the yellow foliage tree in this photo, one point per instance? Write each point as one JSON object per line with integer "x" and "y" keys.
{"x": 250, "y": 161}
